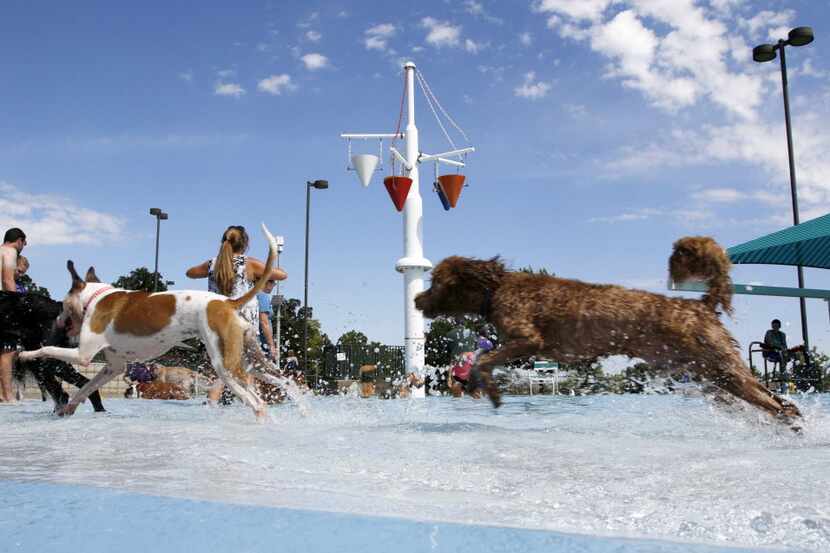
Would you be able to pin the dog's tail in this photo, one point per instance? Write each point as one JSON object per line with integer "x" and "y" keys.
{"x": 701, "y": 258}
{"x": 266, "y": 274}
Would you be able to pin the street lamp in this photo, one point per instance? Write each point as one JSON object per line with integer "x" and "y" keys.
{"x": 319, "y": 185}
{"x": 160, "y": 216}
{"x": 276, "y": 302}
{"x": 800, "y": 36}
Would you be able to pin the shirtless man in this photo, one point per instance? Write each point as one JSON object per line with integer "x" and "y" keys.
{"x": 13, "y": 243}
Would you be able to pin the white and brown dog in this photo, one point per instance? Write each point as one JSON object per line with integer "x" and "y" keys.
{"x": 138, "y": 326}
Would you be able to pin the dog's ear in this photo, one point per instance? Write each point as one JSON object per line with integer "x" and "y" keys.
{"x": 486, "y": 272}
{"x": 77, "y": 283}
{"x": 91, "y": 276}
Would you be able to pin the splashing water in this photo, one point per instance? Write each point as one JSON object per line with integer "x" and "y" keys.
{"x": 664, "y": 467}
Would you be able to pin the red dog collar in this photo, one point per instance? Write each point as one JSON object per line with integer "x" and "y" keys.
{"x": 95, "y": 295}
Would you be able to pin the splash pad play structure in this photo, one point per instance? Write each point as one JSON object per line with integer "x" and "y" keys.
{"x": 598, "y": 473}
{"x": 404, "y": 191}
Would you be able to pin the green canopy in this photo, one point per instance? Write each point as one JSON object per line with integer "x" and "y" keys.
{"x": 807, "y": 244}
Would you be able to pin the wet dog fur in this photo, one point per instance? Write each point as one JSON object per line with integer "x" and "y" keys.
{"x": 31, "y": 319}
{"x": 568, "y": 320}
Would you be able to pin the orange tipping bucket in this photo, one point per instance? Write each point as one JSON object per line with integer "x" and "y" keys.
{"x": 451, "y": 185}
{"x": 398, "y": 188}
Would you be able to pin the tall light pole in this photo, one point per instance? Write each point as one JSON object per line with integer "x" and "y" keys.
{"x": 160, "y": 216}
{"x": 800, "y": 36}
{"x": 319, "y": 185}
{"x": 276, "y": 302}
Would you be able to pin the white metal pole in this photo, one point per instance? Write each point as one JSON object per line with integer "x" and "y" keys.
{"x": 413, "y": 264}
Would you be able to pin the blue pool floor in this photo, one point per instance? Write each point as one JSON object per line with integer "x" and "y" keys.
{"x": 37, "y": 517}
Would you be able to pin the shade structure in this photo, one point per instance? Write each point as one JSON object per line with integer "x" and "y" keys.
{"x": 451, "y": 185}
{"x": 398, "y": 188}
{"x": 806, "y": 244}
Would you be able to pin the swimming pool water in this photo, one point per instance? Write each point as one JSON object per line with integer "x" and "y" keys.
{"x": 615, "y": 472}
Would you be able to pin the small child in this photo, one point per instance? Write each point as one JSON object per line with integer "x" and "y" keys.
{"x": 19, "y": 273}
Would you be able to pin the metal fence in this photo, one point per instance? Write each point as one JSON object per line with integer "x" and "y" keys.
{"x": 344, "y": 362}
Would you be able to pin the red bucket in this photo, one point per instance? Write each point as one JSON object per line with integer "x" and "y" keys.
{"x": 451, "y": 185}
{"x": 398, "y": 188}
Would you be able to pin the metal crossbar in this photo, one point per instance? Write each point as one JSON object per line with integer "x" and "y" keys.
{"x": 751, "y": 289}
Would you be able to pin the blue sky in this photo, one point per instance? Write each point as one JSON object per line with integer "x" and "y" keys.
{"x": 605, "y": 130}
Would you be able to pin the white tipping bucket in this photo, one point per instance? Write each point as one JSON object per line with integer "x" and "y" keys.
{"x": 365, "y": 165}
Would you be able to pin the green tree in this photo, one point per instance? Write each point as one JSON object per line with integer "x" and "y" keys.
{"x": 140, "y": 278}
{"x": 443, "y": 335}
{"x": 437, "y": 347}
{"x": 32, "y": 287}
{"x": 291, "y": 333}
{"x": 541, "y": 271}
{"x": 822, "y": 362}
{"x": 587, "y": 371}
{"x": 353, "y": 338}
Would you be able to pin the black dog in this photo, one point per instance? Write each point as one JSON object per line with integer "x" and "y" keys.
{"x": 29, "y": 320}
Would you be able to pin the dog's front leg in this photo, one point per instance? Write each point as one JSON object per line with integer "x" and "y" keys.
{"x": 115, "y": 366}
{"x": 482, "y": 372}
{"x": 68, "y": 374}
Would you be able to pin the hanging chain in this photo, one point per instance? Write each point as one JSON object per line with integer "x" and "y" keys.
{"x": 440, "y": 107}
{"x": 434, "y": 113}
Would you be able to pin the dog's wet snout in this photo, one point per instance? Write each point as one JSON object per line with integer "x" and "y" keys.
{"x": 422, "y": 300}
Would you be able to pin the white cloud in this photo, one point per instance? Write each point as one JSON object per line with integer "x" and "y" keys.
{"x": 315, "y": 61}
{"x": 55, "y": 220}
{"x": 719, "y": 195}
{"x": 276, "y": 84}
{"x": 526, "y": 39}
{"x": 477, "y": 9}
{"x": 683, "y": 216}
{"x": 808, "y": 70}
{"x": 577, "y": 111}
{"x": 313, "y": 36}
{"x": 186, "y": 76}
{"x": 754, "y": 143}
{"x": 676, "y": 53}
{"x": 767, "y": 21}
{"x": 579, "y": 10}
{"x": 377, "y": 37}
{"x": 225, "y": 73}
{"x": 306, "y": 23}
{"x": 441, "y": 33}
{"x": 472, "y": 46}
{"x": 732, "y": 196}
{"x": 531, "y": 88}
{"x": 473, "y": 7}
{"x": 495, "y": 72}
{"x": 229, "y": 89}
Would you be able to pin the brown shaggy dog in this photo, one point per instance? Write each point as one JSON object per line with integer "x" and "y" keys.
{"x": 568, "y": 320}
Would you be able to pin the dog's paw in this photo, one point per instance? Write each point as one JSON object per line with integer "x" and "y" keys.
{"x": 66, "y": 411}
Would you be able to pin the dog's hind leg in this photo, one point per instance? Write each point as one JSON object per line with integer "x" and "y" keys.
{"x": 243, "y": 392}
{"x": 740, "y": 382}
{"x": 722, "y": 365}
{"x": 249, "y": 397}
